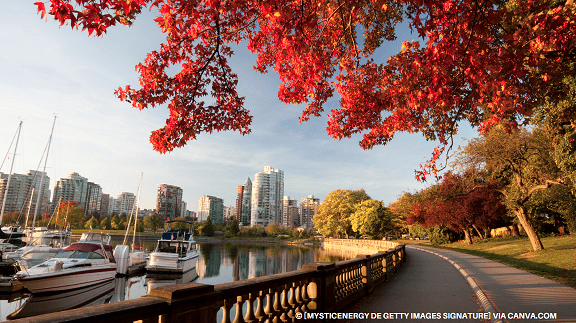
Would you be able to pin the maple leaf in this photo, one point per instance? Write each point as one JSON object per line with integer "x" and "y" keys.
{"x": 41, "y": 8}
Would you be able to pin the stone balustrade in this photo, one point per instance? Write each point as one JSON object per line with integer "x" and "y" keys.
{"x": 316, "y": 287}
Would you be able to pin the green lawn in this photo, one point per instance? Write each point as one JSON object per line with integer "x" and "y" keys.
{"x": 119, "y": 232}
{"x": 557, "y": 261}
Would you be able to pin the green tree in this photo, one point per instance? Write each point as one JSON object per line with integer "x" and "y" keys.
{"x": 106, "y": 224}
{"x": 333, "y": 217}
{"x": 522, "y": 164}
{"x": 372, "y": 219}
{"x": 92, "y": 223}
{"x": 115, "y": 221}
{"x": 274, "y": 229}
{"x": 208, "y": 228}
{"x": 180, "y": 225}
{"x": 153, "y": 222}
{"x": 233, "y": 228}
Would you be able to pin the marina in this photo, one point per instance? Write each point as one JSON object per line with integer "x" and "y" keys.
{"x": 216, "y": 264}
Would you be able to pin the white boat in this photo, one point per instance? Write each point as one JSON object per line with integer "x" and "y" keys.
{"x": 86, "y": 262}
{"x": 176, "y": 252}
{"x": 13, "y": 231}
{"x": 29, "y": 256}
{"x": 45, "y": 236}
{"x": 7, "y": 247}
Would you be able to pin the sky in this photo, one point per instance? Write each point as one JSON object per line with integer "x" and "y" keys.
{"x": 47, "y": 70}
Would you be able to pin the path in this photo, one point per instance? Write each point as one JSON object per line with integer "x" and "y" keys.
{"x": 428, "y": 283}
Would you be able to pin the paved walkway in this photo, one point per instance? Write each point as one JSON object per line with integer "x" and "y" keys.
{"x": 428, "y": 283}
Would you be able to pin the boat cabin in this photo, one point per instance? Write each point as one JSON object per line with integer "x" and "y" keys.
{"x": 175, "y": 247}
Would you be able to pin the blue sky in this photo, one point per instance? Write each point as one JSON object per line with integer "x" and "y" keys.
{"x": 46, "y": 69}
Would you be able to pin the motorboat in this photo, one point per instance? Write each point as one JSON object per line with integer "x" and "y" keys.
{"x": 27, "y": 257}
{"x": 176, "y": 253}
{"x": 7, "y": 266}
{"x": 7, "y": 247}
{"x": 43, "y": 235}
{"x": 13, "y": 231}
{"x": 86, "y": 262}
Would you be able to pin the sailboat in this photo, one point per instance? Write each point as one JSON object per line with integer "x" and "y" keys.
{"x": 43, "y": 235}
{"x": 13, "y": 236}
{"x": 130, "y": 261}
{"x": 37, "y": 250}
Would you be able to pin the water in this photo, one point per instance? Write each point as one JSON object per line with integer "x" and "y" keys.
{"x": 217, "y": 264}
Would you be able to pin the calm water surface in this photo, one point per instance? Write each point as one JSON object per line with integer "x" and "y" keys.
{"x": 218, "y": 263}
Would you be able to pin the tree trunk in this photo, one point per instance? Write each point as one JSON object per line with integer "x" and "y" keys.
{"x": 487, "y": 233}
{"x": 467, "y": 236}
{"x": 514, "y": 230}
{"x": 528, "y": 228}
{"x": 478, "y": 231}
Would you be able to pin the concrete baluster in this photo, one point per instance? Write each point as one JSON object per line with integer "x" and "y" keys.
{"x": 226, "y": 310}
{"x": 239, "y": 318}
{"x": 260, "y": 315}
{"x": 292, "y": 301}
{"x": 250, "y": 318}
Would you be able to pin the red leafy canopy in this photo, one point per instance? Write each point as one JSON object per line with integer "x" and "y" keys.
{"x": 482, "y": 61}
{"x": 459, "y": 206}
{"x": 67, "y": 205}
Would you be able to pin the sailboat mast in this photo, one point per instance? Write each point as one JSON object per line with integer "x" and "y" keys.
{"x": 29, "y": 207}
{"x": 42, "y": 177}
{"x": 137, "y": 203}
{"x": 10, "y": 174}
{"x": 132, "y": 211}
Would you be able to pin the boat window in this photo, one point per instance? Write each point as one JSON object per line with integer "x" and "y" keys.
{"x": 94, "y": 255}
{"x": 80, "y": 254}
{"x": 64, "y": 254}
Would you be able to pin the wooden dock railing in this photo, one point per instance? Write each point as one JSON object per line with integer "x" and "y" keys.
{"x": 316, "y": 287}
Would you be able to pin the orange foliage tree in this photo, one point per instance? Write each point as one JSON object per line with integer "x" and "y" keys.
{"x": 478, "y": 61}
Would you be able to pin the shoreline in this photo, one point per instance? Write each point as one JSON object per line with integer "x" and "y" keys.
{"x": 147, "y": 238}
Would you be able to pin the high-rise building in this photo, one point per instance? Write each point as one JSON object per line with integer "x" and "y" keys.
{"x": 73, "y": 188}
{"x": 243, "y": 203}
{"x": 169, "y": 201}
{"x": 308, "y": 208}
{"x": 112, "y": 205}
{"x": 183, "y": 209}
{"x": 93, "y": 199}
{"x": 267, "y": 193}
{"x": 229, "y": 212}
{"x": 290, "y": 214}
{"x": 124, "y": 203}
{"x": 211, "y": 206}
{"x": 104, "y": 205}
{"x": 18, "y": 198}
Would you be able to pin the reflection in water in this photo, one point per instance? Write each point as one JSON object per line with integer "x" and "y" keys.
{"x": 158, "y": 280}
{"x": 255, "y": 261}
{"x": 87, "y": 296}
{"x": 218, "y": 263}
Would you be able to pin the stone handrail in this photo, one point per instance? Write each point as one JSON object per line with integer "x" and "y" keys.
{"x": 316, "y": 287}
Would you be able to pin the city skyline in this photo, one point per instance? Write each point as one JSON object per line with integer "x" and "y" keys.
{"x": 47, "y": 69}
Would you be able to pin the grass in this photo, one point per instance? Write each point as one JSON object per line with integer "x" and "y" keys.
{"x": 557, "y": 261}
{"x": 119, "y": 232}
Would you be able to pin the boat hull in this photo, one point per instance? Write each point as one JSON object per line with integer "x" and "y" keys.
{"x": 83, "y": 297}
{"x": 169, "y": 263}
{"x": 63, "y": 280}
